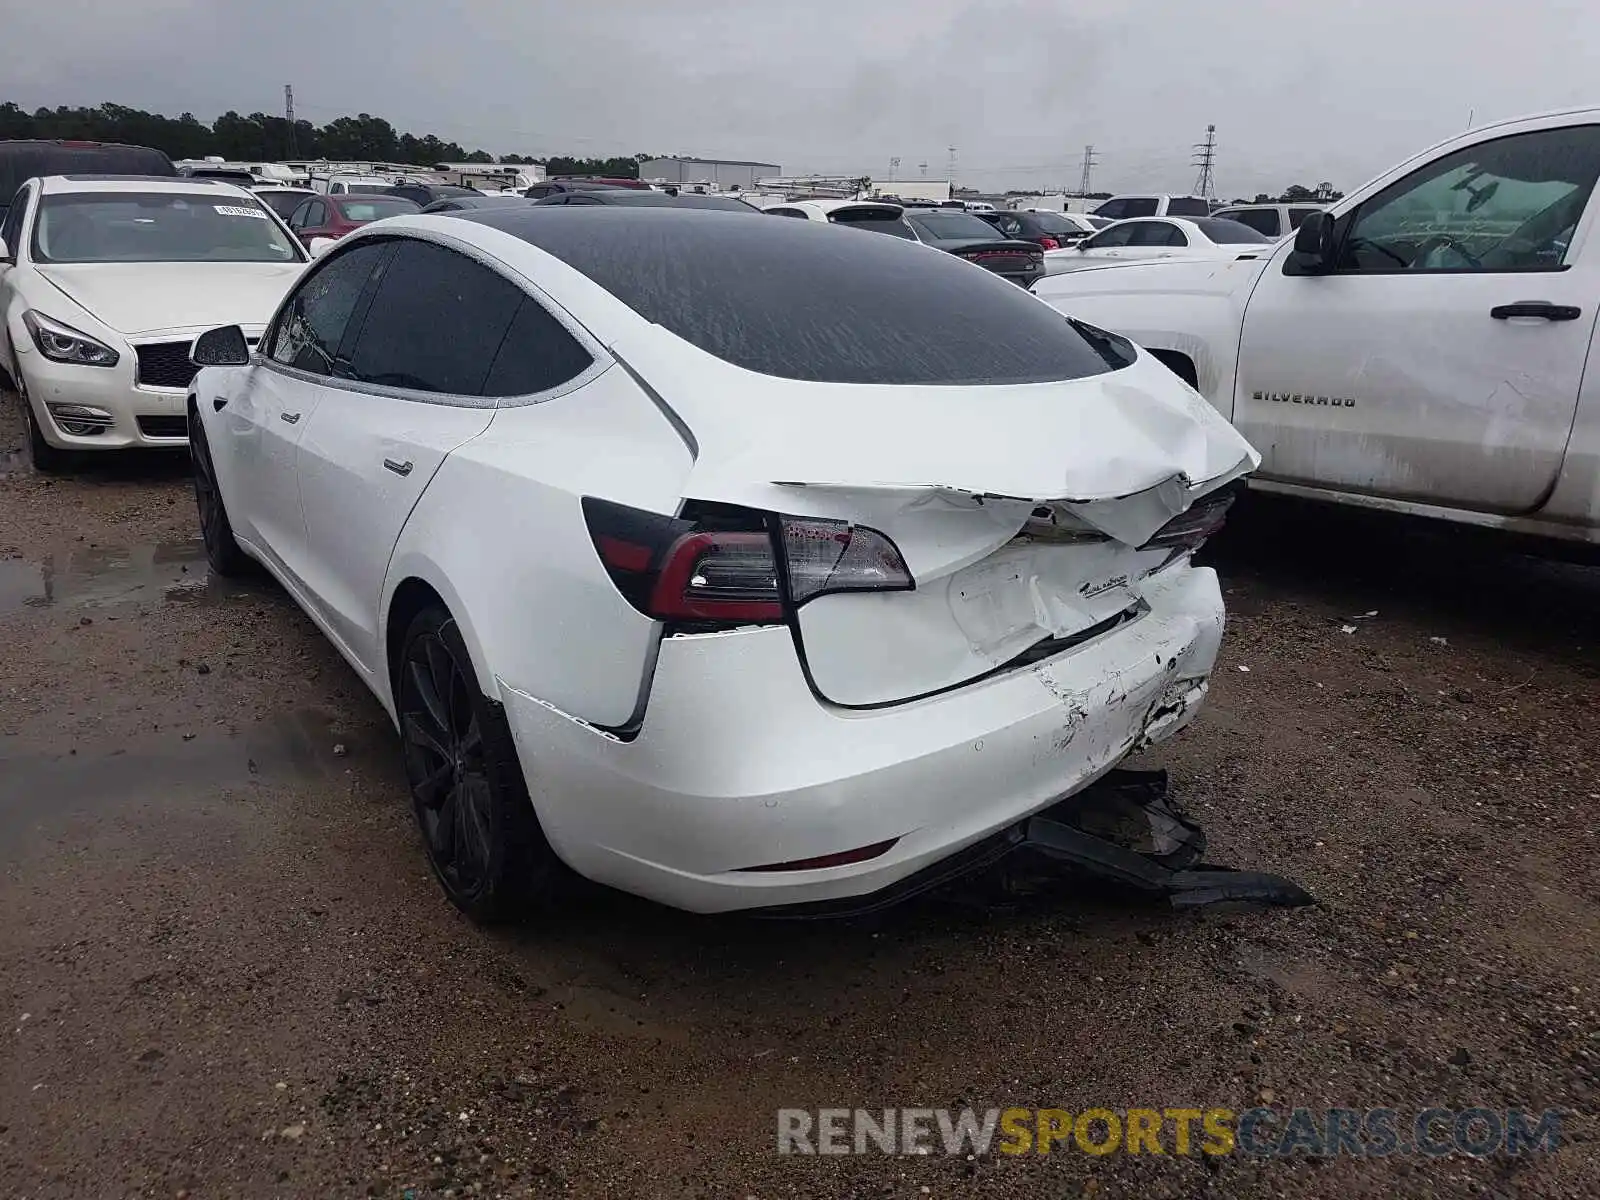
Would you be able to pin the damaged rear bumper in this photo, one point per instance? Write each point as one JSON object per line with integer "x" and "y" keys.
{"x": 739, "y": 766}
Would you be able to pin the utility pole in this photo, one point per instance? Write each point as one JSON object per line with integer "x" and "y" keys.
{"x": 1205, "y": 157}
{"x": 1089, "y": 160}
{"x": 923, "y": 167}
{"x": 894, "y": 169}
{"x": 952, "y": 171}
{"x": 288, "y": 115}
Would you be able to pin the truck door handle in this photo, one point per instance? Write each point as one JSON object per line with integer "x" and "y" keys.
{"x": 289, "y": 417}
{"x": 1536, "y": 308}
{"x": 399, "y": 468}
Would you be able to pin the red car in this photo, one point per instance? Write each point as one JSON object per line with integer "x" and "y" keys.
{"x": 335, "y": 216}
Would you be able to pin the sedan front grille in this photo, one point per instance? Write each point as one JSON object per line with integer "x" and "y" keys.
{"x": 164, "y": 427}
{"x": 165, "y": 364}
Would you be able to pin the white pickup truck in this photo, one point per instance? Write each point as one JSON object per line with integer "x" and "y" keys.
{"x": 1422, "y": 346}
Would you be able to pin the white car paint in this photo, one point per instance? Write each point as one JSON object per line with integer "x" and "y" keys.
{"x": 1394, "y": 389}
{"x": 1106, "y": 247}
{"x": 669, "y": 761}
{"x": 124, "y": 306}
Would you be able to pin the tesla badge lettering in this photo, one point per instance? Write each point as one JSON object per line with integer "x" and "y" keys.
{"x": 1302, "y": 398}
{"x": 1090, "y": 590}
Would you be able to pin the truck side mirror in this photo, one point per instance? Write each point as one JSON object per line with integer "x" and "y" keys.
{"x": 1313, "y": 246}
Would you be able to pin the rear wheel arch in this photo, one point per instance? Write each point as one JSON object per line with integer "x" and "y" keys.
{"x": 1179, "y": 364}
{"x": 418, "y": 589}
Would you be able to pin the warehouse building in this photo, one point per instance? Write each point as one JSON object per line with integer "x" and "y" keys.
{"x": 721, "y": 172}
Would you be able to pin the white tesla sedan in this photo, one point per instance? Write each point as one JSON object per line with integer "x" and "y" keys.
{"x": 104, "y": 283}
{"x": 1141, "y": 238}
{"x": 734, "y": 563}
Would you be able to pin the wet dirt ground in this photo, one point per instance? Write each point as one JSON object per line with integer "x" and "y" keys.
{"x": 225, "y": 970}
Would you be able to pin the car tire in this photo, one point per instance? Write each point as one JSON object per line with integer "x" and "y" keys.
{"x": 468, "y": 792}
{"x": 216, "y": 531}
{"x": 47, "y": 459}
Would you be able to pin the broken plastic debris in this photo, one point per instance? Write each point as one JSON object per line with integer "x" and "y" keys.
{"x": 1347, "y": 629}
{"x": 1125, "y": 828}
{"x": 1244, "y": 668}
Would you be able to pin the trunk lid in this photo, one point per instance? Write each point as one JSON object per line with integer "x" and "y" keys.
{"x": 1018, "y": 509}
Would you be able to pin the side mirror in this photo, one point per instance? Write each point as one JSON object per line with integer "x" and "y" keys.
{"x": 224, "y": 347}
{"x": 319, "y": 246}
{"x": 1313, "y": 246}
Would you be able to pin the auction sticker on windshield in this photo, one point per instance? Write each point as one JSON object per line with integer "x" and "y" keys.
{"x": 235, "y": 210}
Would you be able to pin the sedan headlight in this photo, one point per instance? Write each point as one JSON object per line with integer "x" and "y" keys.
{"x": 64, "y": 344}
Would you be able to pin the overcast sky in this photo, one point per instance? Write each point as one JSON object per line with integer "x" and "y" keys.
{"x": 1299, "y": 92}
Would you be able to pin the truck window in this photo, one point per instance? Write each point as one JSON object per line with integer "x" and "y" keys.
{"x": 1505, "y": 205}
{"x": 1187, "y": 206}
{"x": 1262, "y": 220}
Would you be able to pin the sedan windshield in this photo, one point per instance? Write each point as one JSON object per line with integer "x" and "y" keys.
{"x": 108, "y": 227}
{"x": 948, "y": 226}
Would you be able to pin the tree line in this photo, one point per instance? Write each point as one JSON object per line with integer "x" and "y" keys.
{"x": 261, "y": 137}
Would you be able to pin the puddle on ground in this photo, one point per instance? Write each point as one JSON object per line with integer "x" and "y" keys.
{"x": 99, "y": 577}
{"x": 39, "y": 786}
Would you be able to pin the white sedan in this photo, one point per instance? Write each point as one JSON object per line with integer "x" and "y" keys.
{"x": 1141, "y": 238}
{"x": 104, "y": 284}
{"x": 733, "y": 563}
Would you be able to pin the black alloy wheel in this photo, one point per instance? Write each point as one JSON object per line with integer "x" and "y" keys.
{"x": 467, "y": 789}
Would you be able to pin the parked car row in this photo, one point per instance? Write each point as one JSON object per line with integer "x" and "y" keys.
{"x": 749, "y": 564}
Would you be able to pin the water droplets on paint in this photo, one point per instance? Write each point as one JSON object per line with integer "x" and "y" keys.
{"x": 99, "y": 577}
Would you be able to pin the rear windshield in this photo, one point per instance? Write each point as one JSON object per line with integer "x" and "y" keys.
{"x": 804, "y": 300}
{"x": 373, "y": 208}
{"x": 876, "y": 220}
{"x": 1231, "y": 233}
{"x": 1187, "y": 206}
{"x": 1052, "y": 223}
{"x": 108, "y": 227}
{"x": 946, "y": 225}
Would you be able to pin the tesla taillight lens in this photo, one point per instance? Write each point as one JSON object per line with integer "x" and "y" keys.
{"x": 720, "y": 567}
{"x": 1190, "y": 529}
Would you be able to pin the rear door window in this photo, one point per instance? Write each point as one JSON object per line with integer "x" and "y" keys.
{"x": 436, "y": 323}
{"x": 537, "y": 354}
{"x": 1157, "y": 233}
{"x": 1188, "y": 206}
{"x": 1142, "y": 206}
{"x": 1298, "y": 215}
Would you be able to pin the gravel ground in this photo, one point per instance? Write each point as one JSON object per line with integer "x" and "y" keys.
{"x": 225, "y": 971}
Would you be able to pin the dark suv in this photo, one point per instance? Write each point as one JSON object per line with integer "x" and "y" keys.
{"x": 23, "y": 160}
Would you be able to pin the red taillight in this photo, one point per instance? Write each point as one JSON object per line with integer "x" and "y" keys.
{"x": 1190, "y": 529}
{"x": 721, "y": 568}
{"x": 1049, "y": 243}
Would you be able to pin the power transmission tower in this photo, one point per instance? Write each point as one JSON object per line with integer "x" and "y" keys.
{"x": 1205, "y": 157}
{"x": 1089, "y": 160}
{"x": 923, "y": 167}
{"x": 894, "y": 169}
{"x": 288, "y": 115}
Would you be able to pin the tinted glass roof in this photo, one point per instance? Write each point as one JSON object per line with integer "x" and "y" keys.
{"x": 810, "y": 300}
